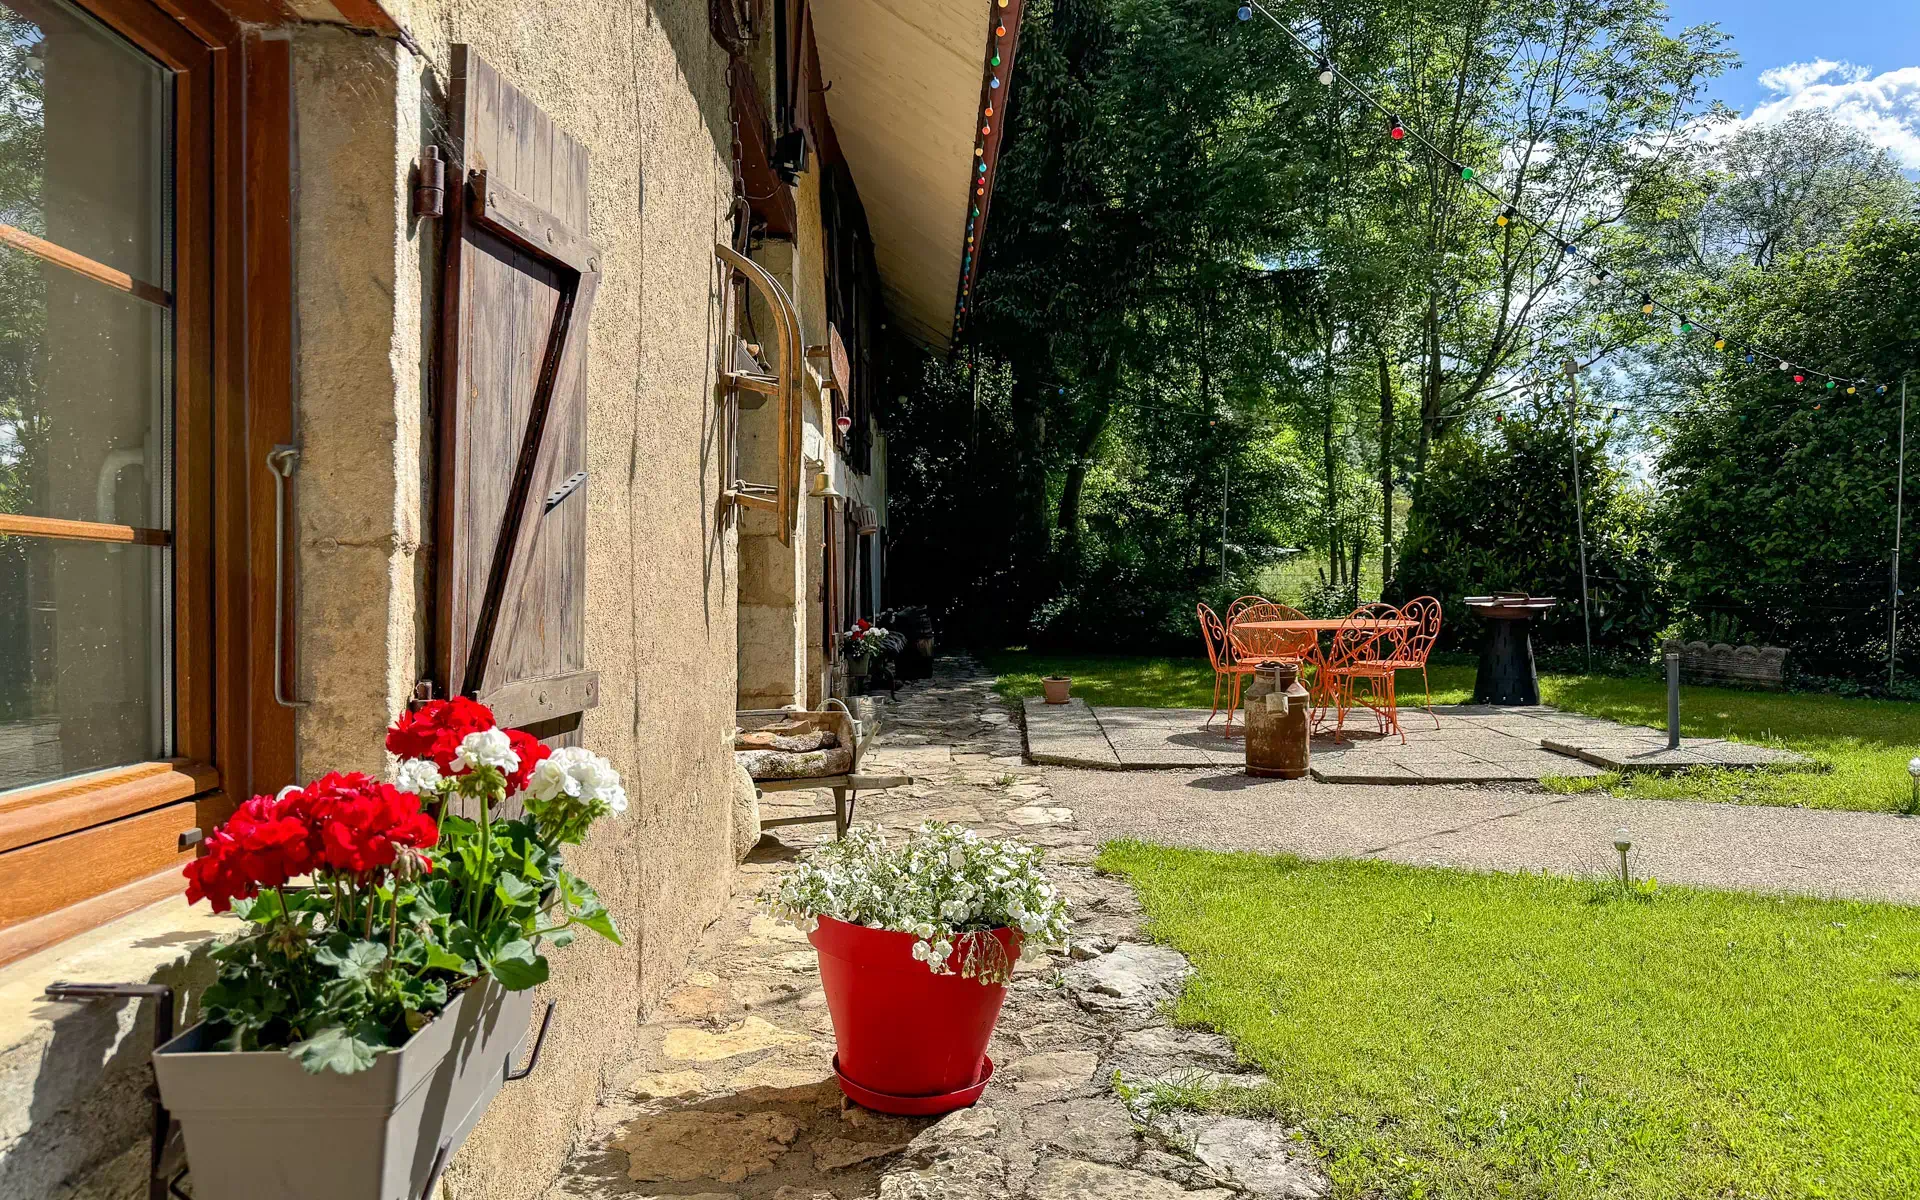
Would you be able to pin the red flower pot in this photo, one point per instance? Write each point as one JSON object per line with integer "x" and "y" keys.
{"x": 903, "y": 1031}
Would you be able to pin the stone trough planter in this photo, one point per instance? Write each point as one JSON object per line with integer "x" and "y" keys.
{"x": 258, "y": 1125}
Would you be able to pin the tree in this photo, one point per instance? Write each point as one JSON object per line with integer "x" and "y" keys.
{"x": 1779, "y": 497}
{"x": 1499, "y": 516}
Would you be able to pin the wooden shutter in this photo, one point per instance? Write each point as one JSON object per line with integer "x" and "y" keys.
{"x": 511, "y": 516}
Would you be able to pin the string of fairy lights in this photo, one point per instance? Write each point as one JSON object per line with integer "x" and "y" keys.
{"x": 1508, "y": 213}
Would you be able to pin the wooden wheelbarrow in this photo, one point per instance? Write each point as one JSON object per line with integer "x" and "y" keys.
{"x": 845, "y": 782}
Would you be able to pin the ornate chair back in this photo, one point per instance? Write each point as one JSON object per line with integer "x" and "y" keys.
{"x": 1270, "y": 643}
{"x": 1219, "y": 646}
{"x": 1238, "y": 607}
{"x": 1417, "y": 645}
{"x": 1362, "y": 625}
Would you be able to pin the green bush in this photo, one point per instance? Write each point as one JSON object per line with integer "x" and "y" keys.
{"x": 1498, "y": 515}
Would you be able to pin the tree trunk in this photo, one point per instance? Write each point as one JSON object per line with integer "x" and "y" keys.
{"x": 1386, "y": 472}
{"x": 1335, "y": 563}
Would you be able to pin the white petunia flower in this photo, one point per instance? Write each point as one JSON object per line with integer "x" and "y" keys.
{"x": 488, "y": 748}
{"x": 417, "y": 775}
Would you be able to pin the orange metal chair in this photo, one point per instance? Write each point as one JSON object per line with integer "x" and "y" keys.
{"x": 1414, "y": 646}
{"x": 1363, "y": 652}
{"x": 1239, "y": 606}
{"x": 1226, "y": 665}
{"x": 1262, "y": 645}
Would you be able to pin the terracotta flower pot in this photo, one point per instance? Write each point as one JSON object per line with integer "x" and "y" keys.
{"x": 911, "y": 1041}
{"x": 258, "y": 1125}
{"x": 1056, "y": 688}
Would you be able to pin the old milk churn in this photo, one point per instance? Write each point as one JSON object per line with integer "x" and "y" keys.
{"x": 1279, "y": 721}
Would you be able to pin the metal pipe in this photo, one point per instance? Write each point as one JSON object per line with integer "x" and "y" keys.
{"x": 1899, "y": 502}
{"x": 281, "y": 461}
{"x": 1673, "y": 700}
{"x": 1579, "y": 510}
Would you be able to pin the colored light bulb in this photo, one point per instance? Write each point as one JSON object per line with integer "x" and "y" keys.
{"x": 1246, "y": 13}
{"x": 1849, "y": 389}
{"x": 1799, "y": 378}
{"x": 1000, "y": 31}
{"x": 995, "y": 60}
{"x": 1829, "y": 385}
{"x": 1784, "y": 364}
{"x": 1719, "y": 343}
{"x": 1506, "y": 215}
{"x": 1326, "y": 73}
{"x": 1397, "y": 131}
{"x": 1646, "y": 302}
{"x": 1466, "y": 172}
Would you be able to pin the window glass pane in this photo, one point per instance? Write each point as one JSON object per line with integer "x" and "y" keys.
{"x": 84, "y": 634}
{"x": 85, "y": 370}
{"x": 84, "y": 161}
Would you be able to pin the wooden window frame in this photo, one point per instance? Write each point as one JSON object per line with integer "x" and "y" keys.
{"x": 79, "y": 851}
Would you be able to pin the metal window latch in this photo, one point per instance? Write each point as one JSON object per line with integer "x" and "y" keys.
{"x": 281, "y": 460}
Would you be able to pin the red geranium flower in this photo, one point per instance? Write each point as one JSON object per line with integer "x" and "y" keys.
{"x": 361, "y": 822}
{"x": 351, "y": 823}
{"x": 531, "y": 750}
{"x": 436, "y": 729}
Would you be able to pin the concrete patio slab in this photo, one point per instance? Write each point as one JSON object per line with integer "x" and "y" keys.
{"x": 1473, "y": 744}
{"x": 1650, "y": 754}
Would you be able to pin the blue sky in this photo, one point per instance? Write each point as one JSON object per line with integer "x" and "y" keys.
{"x": 1860, "y": 58}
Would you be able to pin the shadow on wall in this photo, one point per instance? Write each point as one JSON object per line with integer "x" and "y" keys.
{"x": 82, "y": 1088}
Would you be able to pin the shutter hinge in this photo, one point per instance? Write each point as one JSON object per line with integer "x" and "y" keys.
{"x": 429, "y": 184}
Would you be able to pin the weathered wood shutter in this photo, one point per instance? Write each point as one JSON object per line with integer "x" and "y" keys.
{"x": 511, "y": 516}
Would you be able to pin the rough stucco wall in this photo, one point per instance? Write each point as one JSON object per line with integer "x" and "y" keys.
{"x": 643, "y": 88}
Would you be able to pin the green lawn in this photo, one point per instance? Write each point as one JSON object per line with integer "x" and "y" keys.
{"x": 1862, "y": 746}
{"x": 1446, "y": 1034}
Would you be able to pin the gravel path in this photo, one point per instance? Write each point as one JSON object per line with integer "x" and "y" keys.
{"x": 1863, "y": 855}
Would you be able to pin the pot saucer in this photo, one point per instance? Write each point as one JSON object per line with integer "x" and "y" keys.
{"x": 914, "y": 1106}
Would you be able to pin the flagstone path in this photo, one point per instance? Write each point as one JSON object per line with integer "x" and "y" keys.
{"x": 733, "y": 1097}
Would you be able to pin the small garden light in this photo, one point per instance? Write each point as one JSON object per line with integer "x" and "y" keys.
{"x": 1913, "y": 771}
{"x": 1623, "y": 843}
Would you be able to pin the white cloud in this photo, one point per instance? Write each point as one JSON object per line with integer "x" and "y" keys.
{"x": 1885, "y": 107}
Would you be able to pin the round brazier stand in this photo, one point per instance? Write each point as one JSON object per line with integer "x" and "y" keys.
{"x": 1507, "y": 674}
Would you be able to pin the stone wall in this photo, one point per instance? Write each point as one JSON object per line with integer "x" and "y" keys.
{"x": 642, "y": 87}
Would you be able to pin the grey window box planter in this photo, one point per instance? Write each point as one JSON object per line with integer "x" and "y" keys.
{"x": 258, "y": 1125}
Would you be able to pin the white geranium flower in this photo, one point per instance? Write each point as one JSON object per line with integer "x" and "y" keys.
{"x": 488, "y": 748}
{"x": 417, "y": 775}
{"x": 579, "y": 774}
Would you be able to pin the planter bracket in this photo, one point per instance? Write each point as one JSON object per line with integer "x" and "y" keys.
{"x": 539, "y": 1040}
{"x": 159, "y": 1187}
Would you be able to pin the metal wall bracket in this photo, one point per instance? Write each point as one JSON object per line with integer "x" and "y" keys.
{"x": 539, "y": 1040}
{"x": 159, "y": 1186}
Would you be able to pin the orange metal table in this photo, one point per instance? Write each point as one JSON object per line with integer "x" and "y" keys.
{"x": 1317, "y": 626}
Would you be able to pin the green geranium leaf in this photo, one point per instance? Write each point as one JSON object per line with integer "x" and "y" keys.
{"x": 357, "y": 962}
{"x": 594, "y": 916}
{"x": 446, "y": 960}
{"x": 514, "y": 891}
{"x": 517, "y": 967}
{"x": 338, "y": 1048}
{"x": 260, "y": 909}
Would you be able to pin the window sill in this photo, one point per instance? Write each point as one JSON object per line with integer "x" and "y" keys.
{"x": 74, "y": 1111}
{"x": 135, "y": 948}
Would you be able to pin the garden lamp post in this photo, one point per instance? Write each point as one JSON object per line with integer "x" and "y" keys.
{"x": 1622, "y": 843}
{"x": 1913, "y": 772}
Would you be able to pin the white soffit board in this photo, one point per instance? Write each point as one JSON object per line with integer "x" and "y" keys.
{"x": 905, "y": 99}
